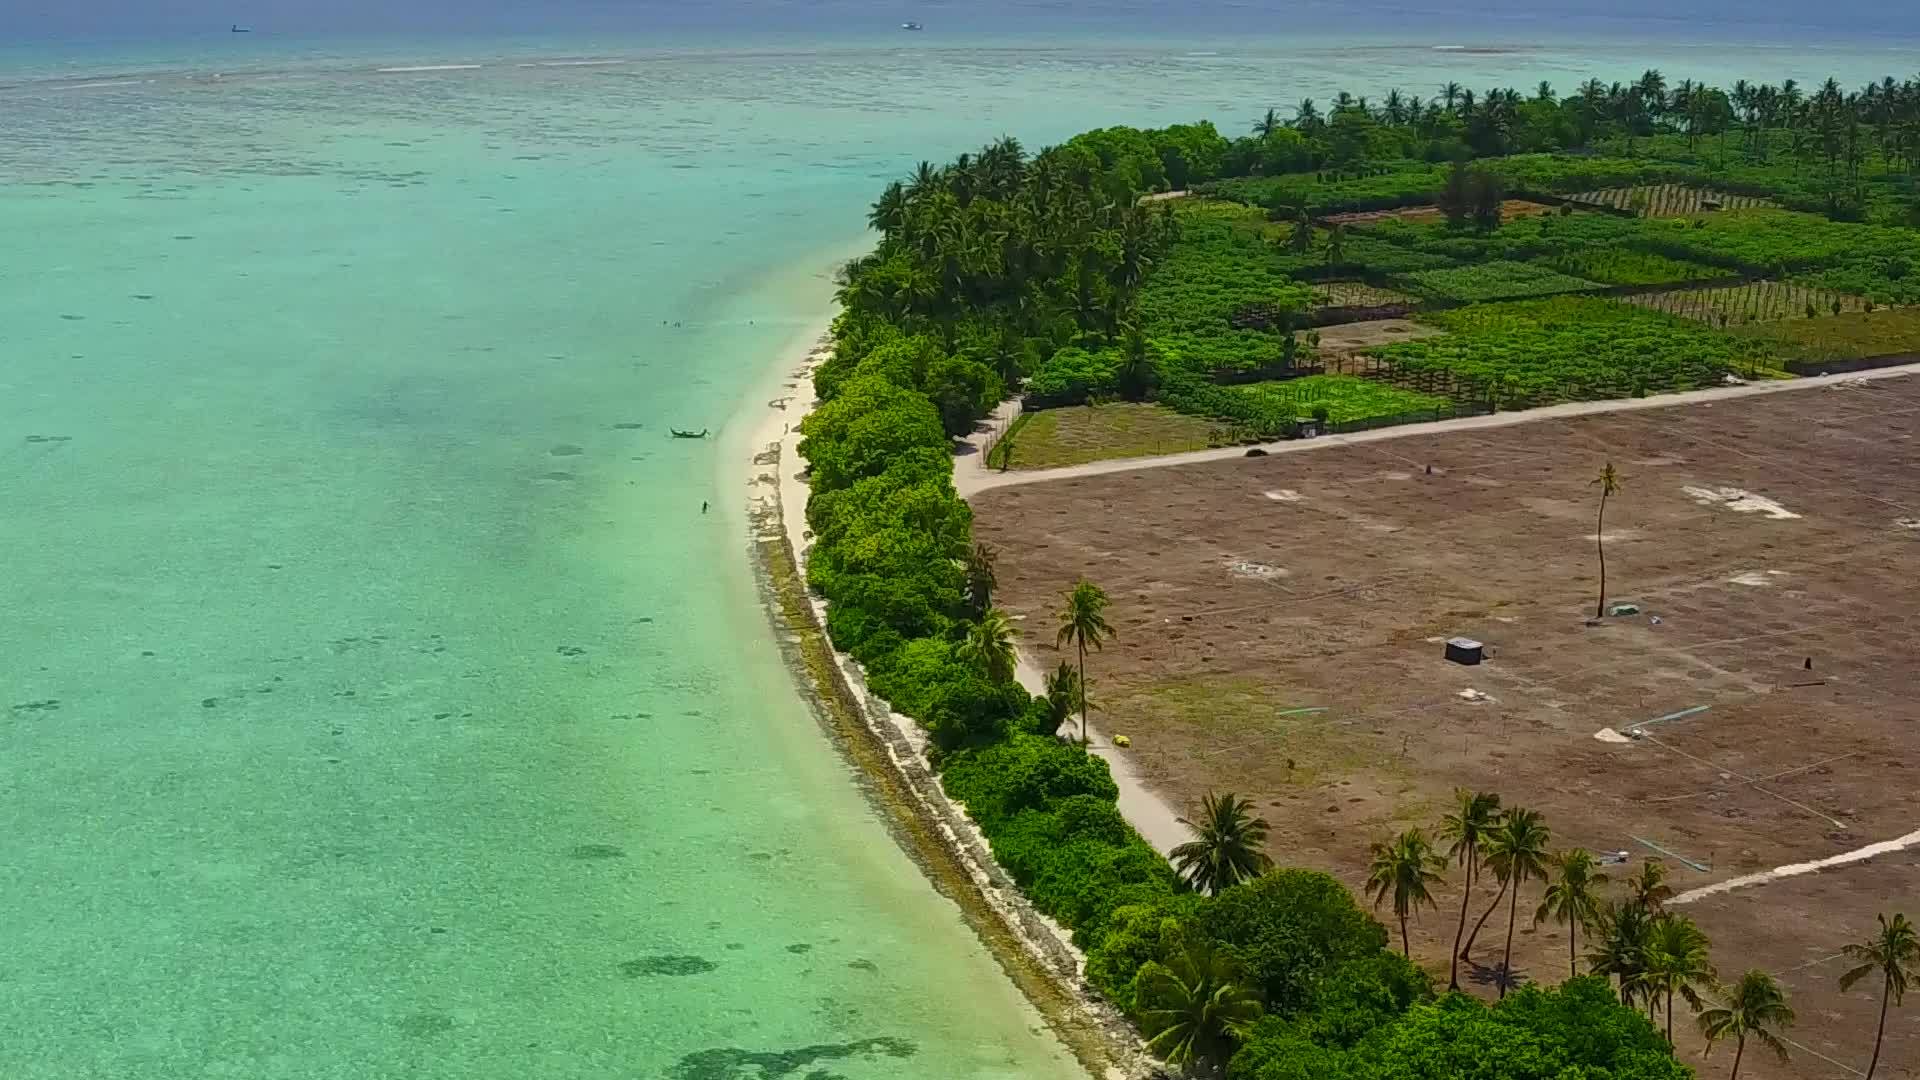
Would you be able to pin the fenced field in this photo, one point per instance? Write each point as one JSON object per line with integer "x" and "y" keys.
{"x": 1357, "y": 294}
{"x": 1668, "y": 200}
{"x": 1757, "y": 301}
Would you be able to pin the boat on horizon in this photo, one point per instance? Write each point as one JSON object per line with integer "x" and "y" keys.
{"x": 911, "y": 26}
{"x": 236, "y": 28}
{"x": 678, "y": 434}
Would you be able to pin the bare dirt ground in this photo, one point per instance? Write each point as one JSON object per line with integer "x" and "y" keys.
{"x": 1353, "y": 337}
{"x": 1765, "y": 534}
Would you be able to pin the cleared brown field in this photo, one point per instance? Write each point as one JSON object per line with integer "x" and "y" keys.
{"x": 1765, "y": 534}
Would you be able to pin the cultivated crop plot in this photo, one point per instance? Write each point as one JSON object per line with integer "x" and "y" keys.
{"x": 1281, "y": 625}
{"x": 1759, "y": 301}
{"x": 1510, "y": 210}
{"x": 1357, "y": 294}
{"x": 1669, "y": 200}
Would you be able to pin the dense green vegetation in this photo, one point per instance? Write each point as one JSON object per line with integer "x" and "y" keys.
{"x": 1495, "y": 280}
{"x": 1573, "y": 348}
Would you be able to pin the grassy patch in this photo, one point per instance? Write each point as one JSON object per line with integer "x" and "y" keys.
{"x": 1081, "y": 433}
{"x": 1239, "y": 715}
{"x": 1845, "y": 337}
{"x": 1345, "y": 397}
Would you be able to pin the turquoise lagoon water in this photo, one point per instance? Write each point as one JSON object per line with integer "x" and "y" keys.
{"x": 375, "y": 699}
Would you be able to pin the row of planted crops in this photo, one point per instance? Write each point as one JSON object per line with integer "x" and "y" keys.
{"x": 1560, "y": 301}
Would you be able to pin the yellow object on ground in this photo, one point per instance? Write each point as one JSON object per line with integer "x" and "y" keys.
{"x": 1122, "y": 740}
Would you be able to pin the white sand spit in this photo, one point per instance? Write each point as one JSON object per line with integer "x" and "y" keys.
{"x": 1885, "y": 847}
{"x": 1740, "y": 501}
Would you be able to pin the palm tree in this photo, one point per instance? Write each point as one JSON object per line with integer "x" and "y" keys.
{"x": 1893, "y": 952}
{"x": 1609, "y": 482}
{"x": 1135, "y": 374}
{"x": 1300, "y": 240}
{"x": 1675, "y": 963}
{"x": 1336, "y": 245}
{"x": 1063, "y": 694}
{"x": 890, "y": 212}
{"x": 1083, "y": 622}
{"x": 1404, "y": 868}
{"x": 1517, "y": 851}
{"x": 989, "y": 647}
{"x": 1476, "y": 815}
{"x": 1267, "y": 124}
{"x": 1620, "y": 947}
{"x": 981, "y": 581}
{"x": 1194, "y": 1005}
{"x": 1306, "y": 115}
{"x": 1227, "y": 851}
{"x": 1754, "y": 1005}
{"x": 1648, "y": 890}
{"x": 1572, "y": 897}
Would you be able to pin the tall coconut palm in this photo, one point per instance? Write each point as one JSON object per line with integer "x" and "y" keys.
{"x": 1405, "y": 868}
{"x": 1306, "y": 116}
{"x": 1063, "y": 695}
{"x": 989, "y": 647}
{"x": 1300, "y": 240}
{"x": 1083, "y": 623}
{"x": 1136, "y": 373}
{"x": 1619, "y": 948}
{"x": 1894, "y": 952}
{"x": 1648, "y": 889}
{"x": 1676, "y": 963}
{"x": 1226, "y": 851}
{"x": 1267, "y": 124}
{"x": 1609, "y": 483}
{"x": 1194, "y": 1005}
{"x": 1755, "y": 1005}
{"x": 1517, "y": 851}
{"x": 1475, "y": 815}
{"x": 981, "y": 580}
{"x": 1572, "y": 897}
{"x": 1336, "y": 245}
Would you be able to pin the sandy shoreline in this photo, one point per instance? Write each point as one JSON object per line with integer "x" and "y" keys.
{"x": 1036, "y": 953}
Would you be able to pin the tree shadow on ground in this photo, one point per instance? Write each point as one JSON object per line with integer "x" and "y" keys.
{"x": 1493, "y": 975}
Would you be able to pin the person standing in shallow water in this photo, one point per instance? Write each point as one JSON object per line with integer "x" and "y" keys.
{"x": 703, "y": 506}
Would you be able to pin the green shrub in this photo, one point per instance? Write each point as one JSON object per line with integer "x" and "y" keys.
{"x": 1136, "y": 934}
{"x": 1026, "y": 772}
{"x": 1073, "y": 375}
{"x": 1290, "y": 930}
{"x": 1579, "y": 1029}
